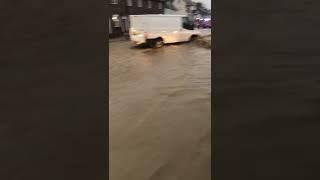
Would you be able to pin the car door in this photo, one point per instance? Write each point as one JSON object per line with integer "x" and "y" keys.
{"x": 186, "y": 31}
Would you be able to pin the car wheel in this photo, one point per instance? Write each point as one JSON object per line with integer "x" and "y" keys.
{"x": 158, "y": 43}
{"x": 193, "y": 38}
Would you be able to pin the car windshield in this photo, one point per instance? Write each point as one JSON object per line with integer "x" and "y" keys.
{"x": 186, "y": 20}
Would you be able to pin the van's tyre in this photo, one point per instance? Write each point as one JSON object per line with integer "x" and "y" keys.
{"x": 158, "y": 43}
{"x": 194, "y": 38}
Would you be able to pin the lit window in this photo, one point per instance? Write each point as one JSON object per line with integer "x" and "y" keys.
{"x": 129, "y": 2}
{"x": 139, "y": 3}
{"x": 114, "y": 1}
{"x": 160, "y": 5}
{"x": 149, "y": 4}
{"x": 115, "y": 20}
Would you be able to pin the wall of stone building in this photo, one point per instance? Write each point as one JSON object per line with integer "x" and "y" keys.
{"x": 135, "y": 10}
{"x": 176, "y": 7}
{"x": 123, "y": 10}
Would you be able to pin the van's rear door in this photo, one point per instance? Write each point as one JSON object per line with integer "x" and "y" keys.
{"x": 136, "y": 25}
{"x": 136, "y": 30}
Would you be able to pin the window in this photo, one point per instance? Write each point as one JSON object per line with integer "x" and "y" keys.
{"x": 160, "y": 5}
{"x": 115, "y": 20}
{"x": 114, "y": 1}
{"x": 129, "y": 2}
{"x": 187, "y": 23}
{"x": 139, "y": 3}
{"x": 185, "y": 20}
{"x": 149, "y": 4}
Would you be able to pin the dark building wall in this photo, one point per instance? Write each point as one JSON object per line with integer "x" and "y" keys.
{"x": 134, "y": 9}
{"x": 123, "y": 10}
{"x": 115, "y": 9}
{"x": 119, "y": 8}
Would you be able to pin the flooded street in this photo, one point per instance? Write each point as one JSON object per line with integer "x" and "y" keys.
{"x": 160, "y": 112}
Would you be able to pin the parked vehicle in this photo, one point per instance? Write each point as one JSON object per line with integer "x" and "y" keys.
{"x": 157, "y": 30}
{"x": 203, "y": 23}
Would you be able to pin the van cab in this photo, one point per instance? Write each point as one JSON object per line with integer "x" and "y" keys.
{"x": 157, "y": 30}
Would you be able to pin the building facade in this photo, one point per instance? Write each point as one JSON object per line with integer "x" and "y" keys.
{"x": 176, "y": 7}
{"x": 118, "y": 12}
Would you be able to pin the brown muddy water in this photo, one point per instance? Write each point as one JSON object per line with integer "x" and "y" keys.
{"x": 159, "y": 112}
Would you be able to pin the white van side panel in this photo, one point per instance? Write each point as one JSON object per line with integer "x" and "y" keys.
{"x": 168, "y": 27}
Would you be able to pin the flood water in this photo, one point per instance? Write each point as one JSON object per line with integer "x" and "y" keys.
{"x": 159, "y": 112}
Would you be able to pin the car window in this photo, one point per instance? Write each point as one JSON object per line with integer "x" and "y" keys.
{"x": 184, "y": 20}
{"x": 187, "y": 24}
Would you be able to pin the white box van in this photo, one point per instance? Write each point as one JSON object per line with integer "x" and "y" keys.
{"x": 156, "y": 30}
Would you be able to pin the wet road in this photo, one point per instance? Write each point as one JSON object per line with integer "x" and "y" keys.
{"x": 160, "y": 113}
